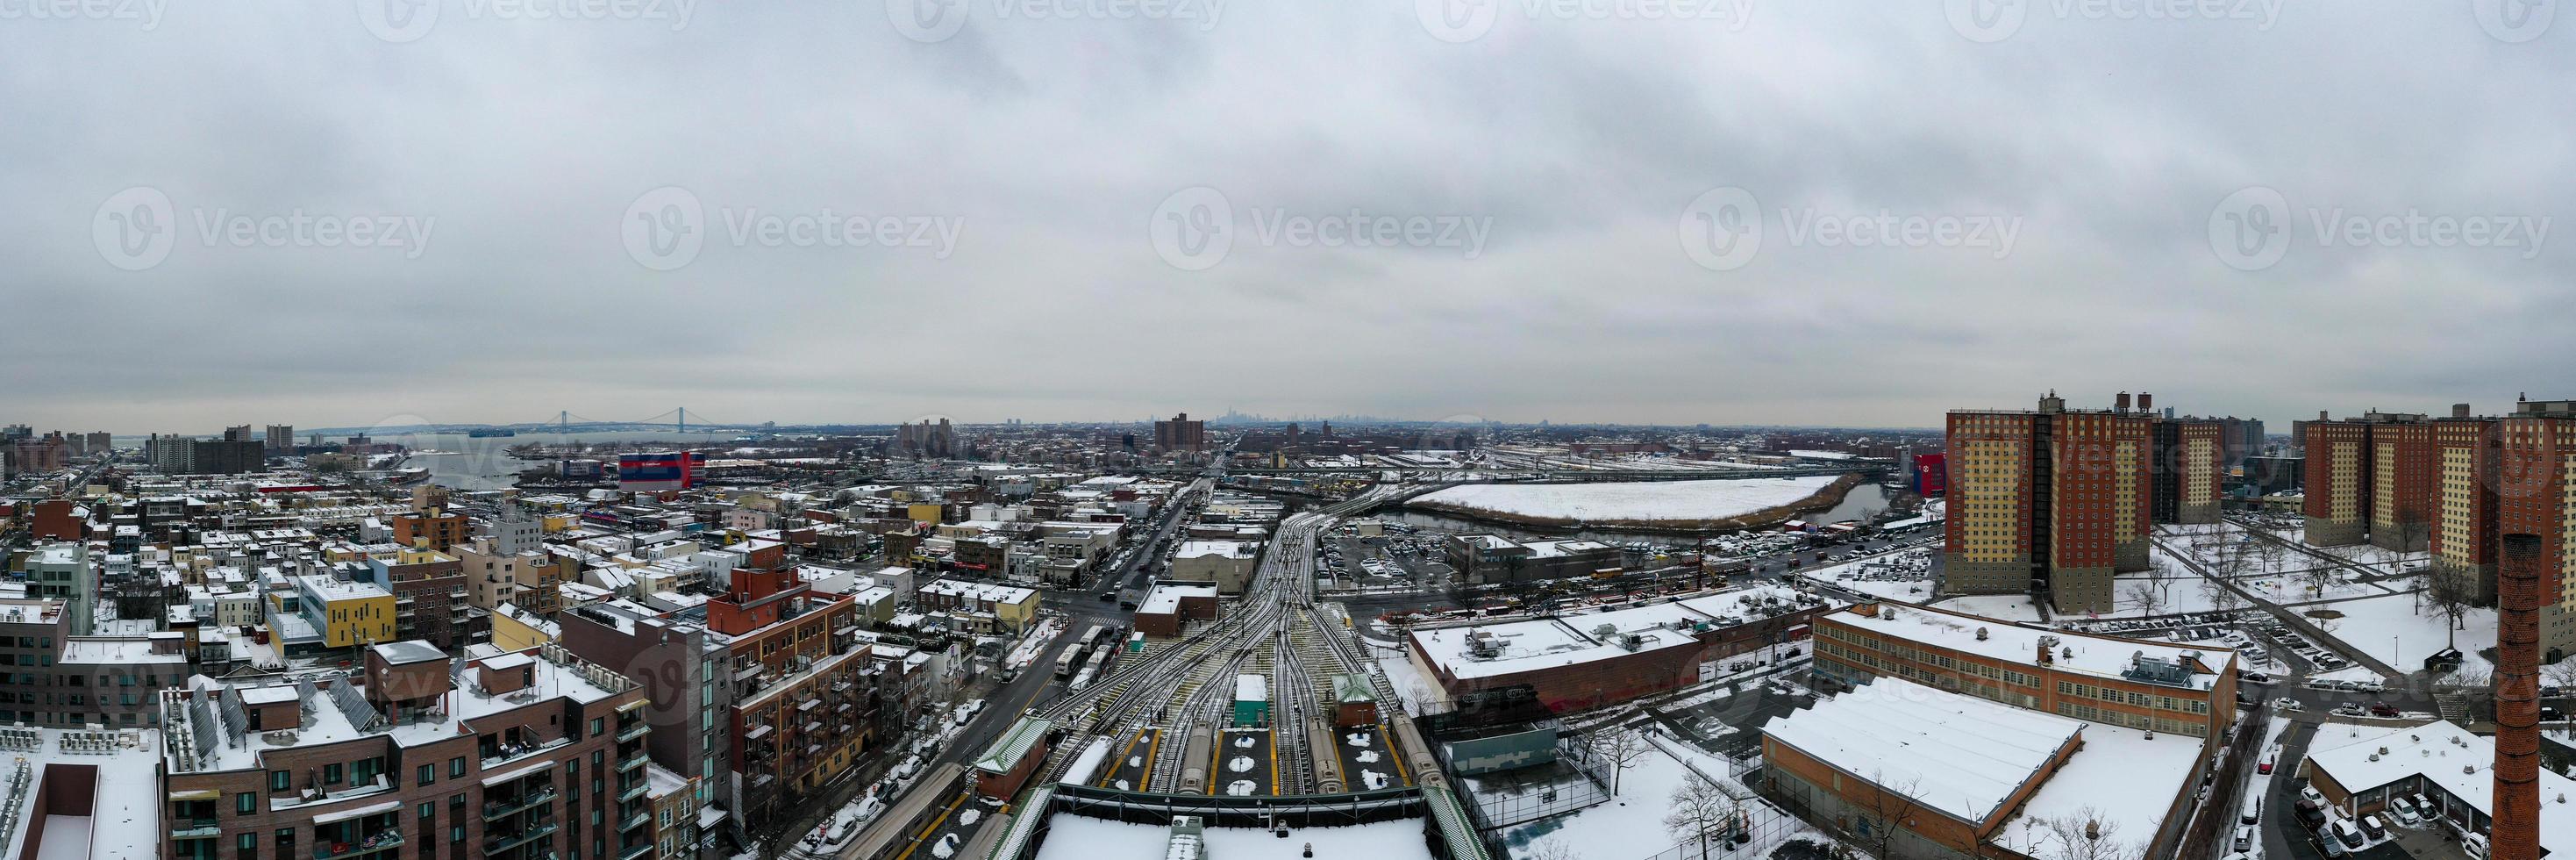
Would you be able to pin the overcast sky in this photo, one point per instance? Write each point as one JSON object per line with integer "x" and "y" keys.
{"x": 1087, "y": 209}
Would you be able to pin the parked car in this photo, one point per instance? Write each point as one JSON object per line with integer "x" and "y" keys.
{"x": 2254, "y": 677}
{"x": 2382, "y": 709}
{"x": 2403, "y": 811}
{"x": 2342, "y": 830}
{"x": 2265, "y": 766}
{"x": 2309, "y": 793}
{"x": 2370, "y": 825}
{"x": 2286, "y": 703}
{"x": 2244, "y": 838}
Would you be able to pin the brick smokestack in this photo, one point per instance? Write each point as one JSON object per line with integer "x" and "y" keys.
{"x": 2516, "y": 834}
{"x": 2146, "y": 402}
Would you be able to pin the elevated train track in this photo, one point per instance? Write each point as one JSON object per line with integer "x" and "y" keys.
{"x": 1185, "y": 688}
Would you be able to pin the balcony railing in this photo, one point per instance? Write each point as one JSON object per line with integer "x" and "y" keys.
{"x": 640, "y": 788}
{"x": 498, "y": 809}
{"x": 639, "y": 729}
{"x": 634, "y": 821}
{"x": 636, "y": 850}
{"x": 385, "y": 841}
{"x": 196, "y": 828}
{"x": 496, "y": 846}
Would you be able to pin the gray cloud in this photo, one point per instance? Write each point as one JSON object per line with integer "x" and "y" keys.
{"x": 1050, "y": 141}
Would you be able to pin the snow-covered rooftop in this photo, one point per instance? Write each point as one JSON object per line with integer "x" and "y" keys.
{"x": 1633, "y": 501}
{"x": 1487, "y": 650}
{"x": 2104, "y": 656}
{"x": 1165, "y": 599}
{"x": 1074, "y": 837}
{"x": 1958, "y": 755}
{"x": 125, "y": 820}
{"x": 2438, "y": 751}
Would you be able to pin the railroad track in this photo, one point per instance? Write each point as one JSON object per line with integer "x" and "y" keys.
{"x": 1275, "y": 630}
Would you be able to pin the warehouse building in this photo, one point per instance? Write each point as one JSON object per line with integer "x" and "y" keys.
{"x": 1171, "y": 606}
{"x": 1578, "y": 662}
{"x": 2137, "y": 683}
{"x": 1944, "y": 775}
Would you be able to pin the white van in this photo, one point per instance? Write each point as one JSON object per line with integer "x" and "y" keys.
{"x": 2475, "y": 845}
{"x": 2253, "y": 810}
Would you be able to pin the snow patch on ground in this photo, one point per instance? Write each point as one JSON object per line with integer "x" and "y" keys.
{"x": 1631, "y": 825}
{"x": 2390, "y": 628}
{"x": 1241, "y": 788}
{"x": 1240, "y": 764}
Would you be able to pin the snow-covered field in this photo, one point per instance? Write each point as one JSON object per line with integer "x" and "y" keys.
{"x": 1631, "y": 825}
{"x": 2389, "y": 628}
{"x": 1631, "y": 501}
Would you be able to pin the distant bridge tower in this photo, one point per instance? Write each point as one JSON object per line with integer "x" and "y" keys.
{"x": 684, "y": 419}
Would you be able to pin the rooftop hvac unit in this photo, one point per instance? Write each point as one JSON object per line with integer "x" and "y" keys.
{"x": 1981, "y": 634}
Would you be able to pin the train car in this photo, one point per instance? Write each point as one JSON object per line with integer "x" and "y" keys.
{"x": 888, "y": 832}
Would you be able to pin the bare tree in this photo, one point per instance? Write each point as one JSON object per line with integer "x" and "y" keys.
{"x": 1887, "y": 810}
{"x": 2322, "y": 575}
{"x": 1618, "y": 746}
{"x": 2452, "y": 591}
{"x": 2146, "y": 596}
{"x": 1701, "y": 809}
{"x": 2476, "y": 684}
{"x": 2220, "y": 596}
{"x": 1552, "y": 848}
{"x": 2086, "y": 834}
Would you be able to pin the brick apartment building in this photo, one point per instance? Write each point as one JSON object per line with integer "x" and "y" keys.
{"x": 2537, "y": 475}
{"x": 2188, "y": 468}
{"x": 435, "y": 528}
{"x": 430, "y": 598}
{"x": 2138, "y": 683}
{"x": 2467, "y": 452}
{"x": 1180, "y": 434}
{"x": 803, "y": 686}
{"x": 2370, "y": 479}
{"x": 513, "y": 755}
{"x": 678, "y": 663}
{"x": 54, "y": 678}
{"x": 2050, "y": 501}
